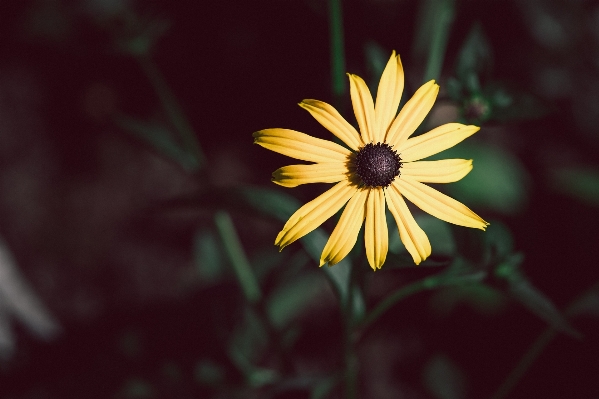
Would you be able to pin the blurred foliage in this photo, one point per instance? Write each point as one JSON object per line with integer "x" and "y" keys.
{"x": 580, "y": 183}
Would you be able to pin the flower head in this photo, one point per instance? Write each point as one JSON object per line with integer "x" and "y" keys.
{"x": 381, "y": 166}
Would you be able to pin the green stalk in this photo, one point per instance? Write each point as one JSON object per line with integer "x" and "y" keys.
{"x": 438, "y": 45}
{"x": 243, "y": 270}
{"x": 338, "y": 78}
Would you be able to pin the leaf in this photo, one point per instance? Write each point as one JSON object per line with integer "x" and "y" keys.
{"x": 208, "y": 256}
{"x": 208, "y": 372}
{"x": 290, "y": 299}
{"x": 444, "y": 379}
{"x": 580, "y": 183}
{"x": 480, "y": 297}
{"x": 159, "y": 138}
{"x": 474, "y": 59}
{"x": 498, "y": 180}
{"x": 271, "y": 202}
{"x": 587, "y": 304}
{"x": 340, "y": 274}
{"x": 499, "y": 240}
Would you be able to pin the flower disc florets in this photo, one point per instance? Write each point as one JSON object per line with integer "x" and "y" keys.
{"x": 377, "y": 164}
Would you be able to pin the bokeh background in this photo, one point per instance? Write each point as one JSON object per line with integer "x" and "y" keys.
{"x": 131, "y": 195}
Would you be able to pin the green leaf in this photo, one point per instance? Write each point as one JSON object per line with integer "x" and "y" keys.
{"x": 444, "y": 379}
{"x": 248, "y": 342}
{"x": 580, "y": 183}
{"x": 499, "y": 240}
{"x": 208, "y": 256}
{"x": 290, "y": 299}
{"x": 271, "y": 202}
{"x": 159, "y": 138}
{"x": 323, "y": 388}
{"x": 340, "y": 274}
{"x": 479, "y": 297}
{"x": 208, "y": 372}
{"x": 236, "y": 254}
{"x": 475, "y": 58}
{"x": 587, "y": 304}
{"x": 498, "y": 180}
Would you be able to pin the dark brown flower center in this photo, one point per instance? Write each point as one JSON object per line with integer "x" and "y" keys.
{"x": 377, "y": 164}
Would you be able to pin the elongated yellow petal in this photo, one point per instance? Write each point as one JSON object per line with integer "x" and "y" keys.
{"x": 315, "y": 213}
{"x": 294, "y": 175}
{"x": 388, "y": 96}
{"x": 443, "y": 171}
{"x": 412, "y": 236}
{"x": 438, "y": 204}
{"x": 435, "y": 141}
{"x": 328, "y": 117}
{"x": 301, "y": 146}
{"x": 363, "y": 107}
{"x": 376, "y": 235}
{"x": 412, "y": 114}
{"x": 345, "y": 234}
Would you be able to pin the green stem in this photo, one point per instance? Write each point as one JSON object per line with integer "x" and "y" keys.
{"x": 525, "y": 362}
{"x": 436, "y": 55}
{"x": 172, "y": 109}
{"x": 234, "y": 250}
{"x": 338, "y": 79}
{"x": 351, "y": 363}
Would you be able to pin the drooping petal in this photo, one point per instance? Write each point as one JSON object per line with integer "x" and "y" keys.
{"x": 332, "y": 120}
{"x": 412, "y": 236}
{"x": 435, "y": 141}
{"x": 345, "y": 234}
{"x": 438, "y": 204}
{"x": 388, "y": 96}
{"x": 363, "y": 107}
{"x": 301, "y": 146}
{"x": 376, "y": 235}
{"x": 315, "y": 213}
{"x": 294, "y": 175}
{"x": 412, "y": 114}
{"x": 443, "y": 171}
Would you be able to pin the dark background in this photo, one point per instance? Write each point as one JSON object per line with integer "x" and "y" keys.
{"x": 84, "y": 206}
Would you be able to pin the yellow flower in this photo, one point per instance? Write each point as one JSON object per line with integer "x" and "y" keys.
{"x": 382, "y": 165}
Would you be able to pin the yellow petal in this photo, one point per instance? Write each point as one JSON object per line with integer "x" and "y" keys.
{"x": 388, "y": 96}
{"x": 328, "y": 117}
{"x": 294, "y": 175}
{"x": 315, "y": 213}
{"x": 412, "y": 114}
{"x": 443, "y": 171}
{"x": 345, "y": 234}
{"x": 376, "y": 235}
{"x": 301, "y": 146}
{"x": 435, "y": 141}
{"x": 363, "y": 107}
{"x": 412, "y": 236}
{"x": 438, "y": 204}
